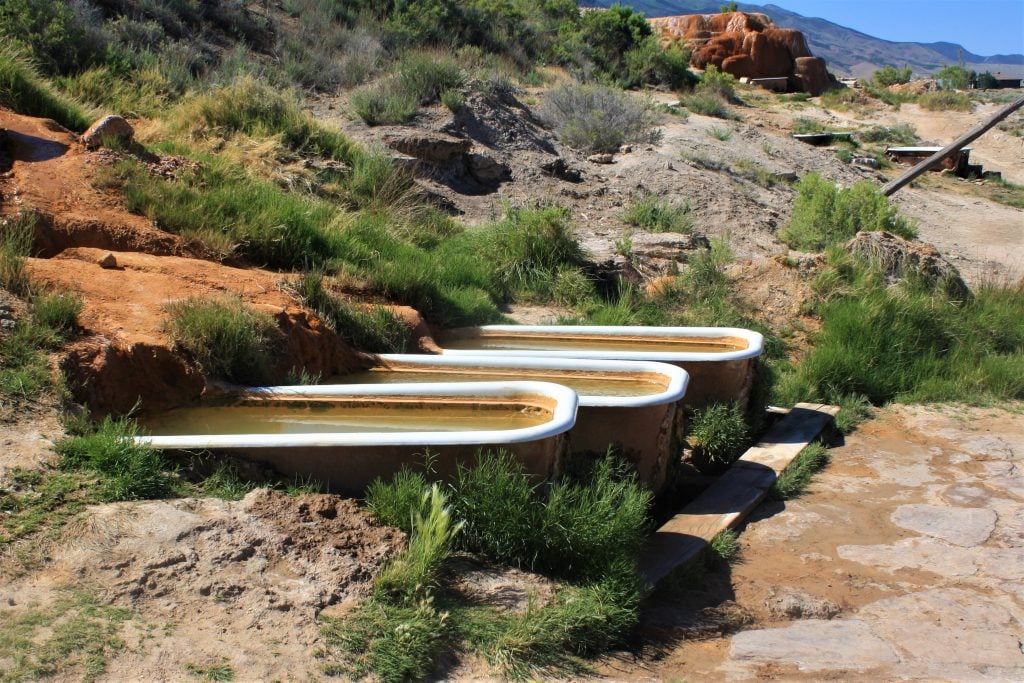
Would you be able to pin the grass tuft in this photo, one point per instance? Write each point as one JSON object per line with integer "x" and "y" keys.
{"x": 598, "y": 118}
{"x": 718, "y": 435}
{"x": 26, "y": 92}
{"x": 795, "y": 478}
{"x": 228, "y": 339}
{"x": 650, "y": 213}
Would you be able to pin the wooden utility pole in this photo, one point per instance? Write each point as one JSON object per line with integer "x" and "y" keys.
{"x": 953, "y": 147}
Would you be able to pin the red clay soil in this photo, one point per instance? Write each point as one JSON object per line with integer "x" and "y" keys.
{"x": 125, "y": 356}
{"x": 44, "y": 167}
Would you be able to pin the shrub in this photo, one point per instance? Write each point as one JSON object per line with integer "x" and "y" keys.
{"x": 707, "y": 104}
{"x": 399, "y": 501}
{"x": 228, "y": 339}
{"x": 900, "y": 134}
{"x": 573, "y": 287}
{"x": 718, "y": 435}
{"x": 453, "y": 100}
{"x": 890, "y": 75}
{"x": 824, "y": 214}
{"x": 804, "y": 126}
{"x": 383, "y": 104}
{"x": 945, "y": 100}
{"x": 954, "y": 77}
{"x": 424, "y": 76}
{"x": 24, "y": 90}
{"x": 716, "y": 82}
{"x": 128, "y": 471}
{"x": 650, "y": 213}
{"x": 650, "y": 63}
{"x": 986, "y": 81}
{"x": 598, "y": 118}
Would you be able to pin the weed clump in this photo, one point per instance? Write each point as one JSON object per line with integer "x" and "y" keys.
{"x": 383, "y": 104}
{"x": 795, "y": 478}
{"x": 127, "y": 470}
{"x": 597, "y": 118}
{"x": 376, "y": 329}
{"x": 650, "y": 213}
{"x": 228, "y": 339}
{"x": 718, "y": 435}
{"x": 945, "y": 100}
{"x": 824, "y": 215}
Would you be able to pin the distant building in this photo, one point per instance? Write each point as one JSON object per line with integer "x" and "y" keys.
{"x": 1005, "y": 80}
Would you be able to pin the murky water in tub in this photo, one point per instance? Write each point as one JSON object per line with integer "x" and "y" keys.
{"x": 298, "y": 417}
{"x": 611, "y": 384}
{"x": 545, "y": 342}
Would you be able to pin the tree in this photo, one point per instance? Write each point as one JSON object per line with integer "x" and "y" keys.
{"x": 890, "y": 75}
{"x": 986, "y": 81}
{"x": 954, "y": 77}
{"x": 731, "y": 7}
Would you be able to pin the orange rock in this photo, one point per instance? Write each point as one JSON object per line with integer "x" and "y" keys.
{"x": 746, "y": 45}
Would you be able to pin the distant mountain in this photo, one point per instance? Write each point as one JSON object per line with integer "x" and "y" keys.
{"x": 847, "y": 51}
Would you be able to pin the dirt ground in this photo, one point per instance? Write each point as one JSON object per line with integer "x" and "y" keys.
{"x": 904, "y": 561}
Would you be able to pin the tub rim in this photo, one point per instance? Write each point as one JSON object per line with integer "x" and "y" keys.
{"x": 679, "y": 379}
{"x": 563, "y": 418}
{"x": 755, "y": 343}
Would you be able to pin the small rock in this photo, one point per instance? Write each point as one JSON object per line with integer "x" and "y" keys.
{"x": 625, "y": 149}
{"x": 7, "y": 324}
{"x": 794, "y": 604}
{"x": 601, "y": 158}
{"x": 108, "y": 261}
{"x": 869, "y": 162}
{"x": 108, "y": 128}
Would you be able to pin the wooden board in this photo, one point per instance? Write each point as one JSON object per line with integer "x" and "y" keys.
{"x": 727, "y": 502}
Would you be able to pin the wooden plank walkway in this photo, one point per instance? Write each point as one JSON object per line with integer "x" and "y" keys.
{"x": 727, "y": 502}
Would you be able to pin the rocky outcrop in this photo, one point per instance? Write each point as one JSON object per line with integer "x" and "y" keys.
{"x": 897, "y": 257}
{"x": 747, "y": 45}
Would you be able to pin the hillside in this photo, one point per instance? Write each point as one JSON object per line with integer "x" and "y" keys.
{"x": 847, "y": 51}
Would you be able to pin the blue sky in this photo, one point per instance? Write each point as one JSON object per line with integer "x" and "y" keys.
{"x": 984, "y": 27}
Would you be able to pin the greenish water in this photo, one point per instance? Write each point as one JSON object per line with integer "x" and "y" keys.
{"x": 544, "y": 342}
{"x": 610, "y": 384}
{"x": 305, "y": 417}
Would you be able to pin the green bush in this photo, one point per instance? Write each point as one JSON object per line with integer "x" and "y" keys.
{"x": 128, "y": 471}
{"x": 398, "y": 502}
{"x": 954, "y": 77}
{"x": 900, "y": 134}
{"x": 228, "y": 339}
{"x": 651, "y": 64}
{"x": 453, "y": 99}
{"x": 824, "y": 215}
{"x": 716, "y": 82}
{"x": 650, "y": 213}
{"x": 945, "y": 100}
{"x": 597, "y": 118}
{"x": 57, "y": 311}
{"x": 890, "y": 75}
{"x": 707, "y": 104}
{"x": 804, "y": 126}
{"x": 718, "y": 435}
{"x": 24, "y": 91}
{"x": 425, "y": 75}
{"x": 383, "y": 104}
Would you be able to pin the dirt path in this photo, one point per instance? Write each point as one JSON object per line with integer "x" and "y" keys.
{"x": 913, "y": 540}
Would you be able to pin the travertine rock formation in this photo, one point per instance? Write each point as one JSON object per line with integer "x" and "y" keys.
{"x": 747, "y": 45}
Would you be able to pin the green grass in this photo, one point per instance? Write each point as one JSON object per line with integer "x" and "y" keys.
{"x": 724, "y": 549}
{"x": 425, "y": 75}
{"x": 824, "y": 215}
{"x": 374, "y": 329}
{"x": 221, "y": 671}
{"x": 57, "y": 311}
{"x": 227, "y": 339}
{"x": 71, "y": 638}
{"x": 127, "y": 471}
{"x": 945, "y": 100}
{"x": 261, "y": 111}
{"x": 900, "y": 134}
{"x": 719, "y": 133}
{"x": 16, "y": 235}
{"x": 718, "y": 435}
{"x": 795, "y": 478}
{"x": 908, "y": 342}
{"x": 587, "y": 528}
{"x": 383, "y": 104}
{"x": 32, "y": 500}
{"x": 26, "y": 92}
{"x": 708, "y": 104}
{"x": 805, "y": 126}
{"x": 649, "y": 212}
